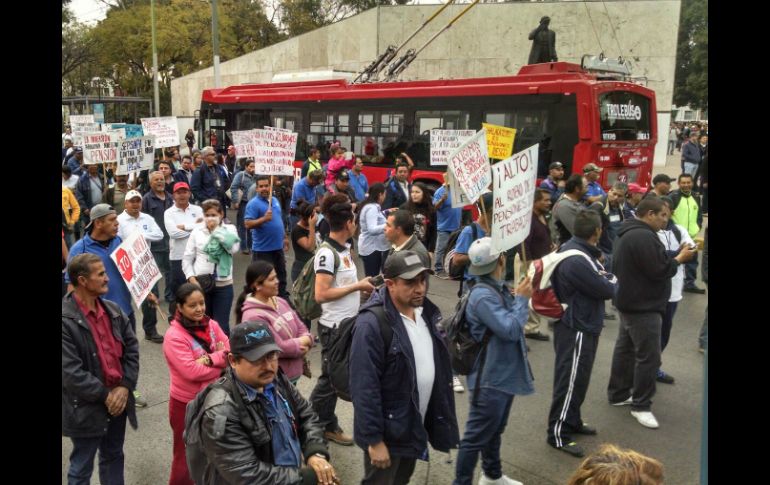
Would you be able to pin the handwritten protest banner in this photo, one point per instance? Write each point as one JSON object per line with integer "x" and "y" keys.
{"x": 135, "y": 154}
{"x": 80, "y": 129}
{"x": 444, "y": 142}
{"x": 100, "y": 148}
{"x": 137, "y": 266}
{"x": 499, "y": 140}
{"x": 274, "y": 152}
{"x": 132, "y": 131}
{"x": 513, "y": 193}
{"x": 80, "y": 119}
{"x": 243, "y": 141}
{"x": 165, "y": 129}
{"x": 120, "y": 132}
{"x": 469, "y": 165}
{"x": 276, "y": 129}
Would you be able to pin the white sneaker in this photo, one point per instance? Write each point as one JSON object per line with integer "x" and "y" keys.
{"x": 627, "y": 402}
{"x": 646, "y": 419}
{"x": 457, "y": 385}
{"x": 503, "y": 480}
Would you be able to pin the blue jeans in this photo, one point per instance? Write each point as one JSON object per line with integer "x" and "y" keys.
{"x": 241, "y": 225}
{"x": 486, "y": 423}
{"x": 111, "y": 457}
{"x": 441, "y": 239}
{"x": 691, "y": 272}
{"x": 218, "y": 304}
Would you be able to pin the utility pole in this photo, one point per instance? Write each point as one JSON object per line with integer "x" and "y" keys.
{"x": 154, "y": 61}
{"x": 215, "y": 40}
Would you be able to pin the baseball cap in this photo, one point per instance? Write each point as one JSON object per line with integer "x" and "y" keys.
{"x": 78, "y": 150}
{"x": 99, "y": 211}
{"x": 555, "y": 165}
{"x": 133, "y": 193}
{"x": 252, "y": 340}
{"x": 635, "y": 188}
{"x": 483, "y": 260}
{"x": 181, "y": 185}
{"x": 405, "y": 265}
{"x": 592, "y": 167}
{"x": 661, "y": 178}
{"x": 342, "y": 175}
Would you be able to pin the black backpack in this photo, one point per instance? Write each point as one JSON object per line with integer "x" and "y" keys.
{"x": 338, "y": 356}
{"x": 456, "y": 271}
{"x": 464, "y": 350}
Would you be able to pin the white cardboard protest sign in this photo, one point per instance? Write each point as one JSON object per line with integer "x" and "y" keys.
{"x": 100, "y": 147}
{"x": 444, "y": 142}
{"x": 277, "y": 129}
{"x": 243, "y": 141}
{"x": 469, "y": 165}
{"x": 515, "y": 181}
{"x": 135, "y": 154}
{"x": 81, "y": 119}
{"x": 165, "y": 129}
{"x": 274, "y": 152}
{"x": 137, "y": 266}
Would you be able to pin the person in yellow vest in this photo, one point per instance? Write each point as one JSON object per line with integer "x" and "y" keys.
{"x": 687, "y": 213}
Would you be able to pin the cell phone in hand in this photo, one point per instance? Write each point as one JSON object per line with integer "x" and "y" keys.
{"x": 378, "y": 280}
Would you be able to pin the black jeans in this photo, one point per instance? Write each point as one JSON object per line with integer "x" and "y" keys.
{"x": 691, "y": 272}
{"x": 667, "y": 324}
{"x": 324, "y": 398}
{"x": 296, "y": 269}
{"x": 575, "y": 352}
{"x": 398, "y": 473}
{"x": 278, "y": 260}
{"x": 636, "y": 359}
{"x": 374, "y": 262}
{"x": 176, "y": 280}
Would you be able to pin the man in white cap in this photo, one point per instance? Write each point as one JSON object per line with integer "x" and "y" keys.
{"x": 130, "y": 221}
{"x": 493, "y": 314}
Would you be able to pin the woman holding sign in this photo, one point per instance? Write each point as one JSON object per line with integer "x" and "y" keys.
{"x": 196, "y": 350}
{"x": 208, "y": 261}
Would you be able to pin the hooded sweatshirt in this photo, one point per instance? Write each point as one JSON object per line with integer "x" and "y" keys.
{"x": 643, "y": 269}
{"x": 287, "y": 328}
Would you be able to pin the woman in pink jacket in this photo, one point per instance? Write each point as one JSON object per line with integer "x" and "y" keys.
{"x": 196, "y": 350}
{"x": 260, "y": 301}
{"x": 337, "y": 163}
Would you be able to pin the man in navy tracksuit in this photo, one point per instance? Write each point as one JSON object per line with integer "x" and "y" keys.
{"x": 583, "y": 285}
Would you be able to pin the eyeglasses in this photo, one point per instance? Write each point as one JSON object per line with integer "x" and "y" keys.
{"x": 269, "y": 357}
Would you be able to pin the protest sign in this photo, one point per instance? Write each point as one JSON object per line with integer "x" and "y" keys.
{"x": 274, "y": 152}
{"x": 120, "y": 132}
{"x": 80, "y": 119}
{"x": 469, "y": 165}
{"x": 137, "y": 266}
{"x": 100, "y": 148}
{"x": 132, "y": 131}
{"x": 165, "y": 129}
{"x": 98, "y": 113}
{"x": 276, "y": 129}
{"x": 444, "y": 142}
{"x": 499, "y": 140}
{"x": 243, "y": 141}
{"x": 135, "y": 154}
{"x": 513, "y": 194}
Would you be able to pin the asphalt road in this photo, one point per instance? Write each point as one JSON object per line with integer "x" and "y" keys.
{"x": 526, "y": 456}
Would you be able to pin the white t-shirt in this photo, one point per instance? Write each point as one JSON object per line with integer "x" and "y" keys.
{"x": 346, "y": 274}
{"x": 424, "y": 366}
{"x": 71, "y": 183}
{"x": 668, "y": 238}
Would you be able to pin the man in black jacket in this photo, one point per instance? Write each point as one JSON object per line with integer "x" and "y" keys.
{"x": 644, "y": 272}
{"x": 397, "y": 187}
{"x": 256, "y": 427}
{"x": 100, "y": 367}
{"x": 581, "y": 282}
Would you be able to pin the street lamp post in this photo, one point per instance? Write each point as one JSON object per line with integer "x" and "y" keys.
{"x": 215, "y": 40}
{"x": 154, "y": 61}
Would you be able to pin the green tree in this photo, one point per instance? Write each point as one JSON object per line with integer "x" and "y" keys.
{"x": 691, "y": 86}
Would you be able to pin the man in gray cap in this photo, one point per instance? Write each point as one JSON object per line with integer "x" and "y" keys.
{"x": 390, "y": 425}
{"x": 493, "y": 314}
{"x": 255, "y": 426}
{"x": 594, "y": 192}
{"x": 102, "y": 239}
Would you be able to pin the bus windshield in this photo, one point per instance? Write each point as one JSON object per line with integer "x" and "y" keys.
{"x": 624, "y": 116}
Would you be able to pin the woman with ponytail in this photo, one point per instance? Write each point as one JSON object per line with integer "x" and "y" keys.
{"x": 196, "y": 350}
{"x": 260, "y": 301}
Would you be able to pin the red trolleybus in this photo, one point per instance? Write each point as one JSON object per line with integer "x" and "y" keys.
{"x": 576, "y": 116}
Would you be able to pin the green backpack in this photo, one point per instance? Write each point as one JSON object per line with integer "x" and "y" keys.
{"x": 303, "y": 289}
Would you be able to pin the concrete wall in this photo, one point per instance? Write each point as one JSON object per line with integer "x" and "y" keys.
{"x": 490, "y": 40}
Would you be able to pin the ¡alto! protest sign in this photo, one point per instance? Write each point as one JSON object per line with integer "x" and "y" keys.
{"x": 469, "y": 165}
{"x": 137, "y": 266}
{"x": 513, "y": 194}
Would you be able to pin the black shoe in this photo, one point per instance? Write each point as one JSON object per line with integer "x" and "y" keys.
{"x": 609, "y": 316}
{"x": 694, "y": 289}
{"x": 538, "y": 336}
{"x": 156, "y": 338}
{"x": 589, "y": 430}
{"x": 572, "y": 448}
{"x": 664, "y": 378}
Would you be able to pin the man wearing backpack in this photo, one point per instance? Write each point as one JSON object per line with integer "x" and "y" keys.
{"x": 644, "y": 273}
{"x": 401, "y": 384}
{"x": 337, "y": 289}
{"x": 252, "y": 425}
{"x": 496, "y": 316}
{"x": 581, "y": 282}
